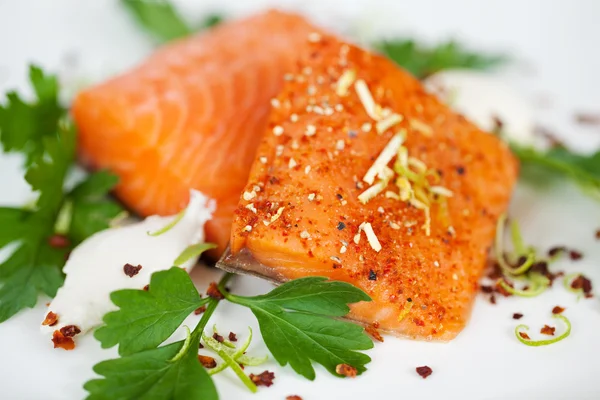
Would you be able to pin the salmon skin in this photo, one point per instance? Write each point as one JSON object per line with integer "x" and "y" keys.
{"x": 417, "y": 247}
{"x": 191, "y": 116}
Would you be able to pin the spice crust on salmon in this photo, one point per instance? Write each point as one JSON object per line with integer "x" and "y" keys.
{"x": 364, "y": 177}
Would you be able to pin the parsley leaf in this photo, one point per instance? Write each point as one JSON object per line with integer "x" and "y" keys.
{"x": 35, "y": 265}
{"x": 159, "y": 18}
{"x": 582, "y": 169}
{"x": 162, "y": 21}
{"x": 154, "y": 375}
{"x": 146, "y": 372}
{"x": 42, "y": 132}
{"x": 210, "y": 21}
{"x": 308, "y": 333}
{"x": 422, "y": 61}
{"x": 91, "y": 210}
{"x": 23, "y": 125}
{"x": 147, "y": 318}
{"x": 295, "y": 321}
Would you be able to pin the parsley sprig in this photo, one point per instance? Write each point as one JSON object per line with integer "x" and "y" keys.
{"x": 295, "y": 323}
{"x": 584, "y": 170}
{"x": 41, "y": 131}
{"x": 167, "y": 372}
{"x": 422, "y": 61}
{"x": 23, "y": 124}
{"x": 162, "y": 21}
{"x": 294, "y": 319}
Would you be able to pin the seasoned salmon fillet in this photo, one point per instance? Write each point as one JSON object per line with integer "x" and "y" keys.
{"x": 191, "y": 116}
{"x": 364, "y": 177}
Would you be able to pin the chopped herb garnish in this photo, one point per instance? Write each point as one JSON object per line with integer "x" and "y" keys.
{"x": 193, "y": 251}
{"x": 540, "y": 286}
{"x": 229, "y": 360}
{"x": 519, "y": 248}
{"x": 524, "y": 338}
{"x": 170, "y": 225}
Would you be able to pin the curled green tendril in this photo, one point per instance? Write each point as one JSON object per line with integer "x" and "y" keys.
{"x": 539, "y": 287}
{"x": 545, "y": 342}
{"x": 169, "y": 226}
{"x": 186, "y": 345}
{"x": 229, "y": 361}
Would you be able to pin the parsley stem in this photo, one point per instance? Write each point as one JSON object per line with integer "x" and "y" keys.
{"x": 231, "y": 362}
{"x": 210, "y": 309}
{"x": 211, "y": 306}
{"x": 223, "y": 282}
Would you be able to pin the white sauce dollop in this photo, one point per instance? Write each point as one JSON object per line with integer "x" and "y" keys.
{"x": 95, "y": 267}
{"x": 481, "y": 99}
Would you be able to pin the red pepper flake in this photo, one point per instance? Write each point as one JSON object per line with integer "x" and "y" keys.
{"x": 51, "y": 319}
{"x": 460, "y": 170}
{"x": 206, "y": 361}
{"x": 548, "y": 330}
{"x": 131, "y": 270}
{"x": 498, "y": 123}
{"x": 70, "y": 330}
{"x": 214, "y": 292}
{"x": 58, "y": 241}
{"x": 495, "y": 271}
{"x": 263, "y": 379}
{"x": 218, "y": 337}
{"x": 346, "y": 370}
{"x": 583, "y": 283}
{"x": 341, "y": 226}
{"x": 200, "y": 346}
{"x": 598, "y": 234}
{"x": 374, "y": 333}
{"x": 293, "y": 397}
{"x": 486, "y": 289}
{"x": 418, "y": 322}
{"x": 556, "y": 250}
{"x": 146, "y": 288}
{"x": 524, "y": 335}
{"x": 557, "y": 310}
{"x": 199, "y": 310}
{"x": 232, "y": 337}
{"x": 517, "y": 316}
{"x": 372, "y": 275}
{"x": 499, "y": 289}
{"x": 61, "y": 341}
{"x": 587, "y": 118}
{"x": 424, "y": 371}
{"x": 575, "y": 255}
{"x": 493, "y": 299}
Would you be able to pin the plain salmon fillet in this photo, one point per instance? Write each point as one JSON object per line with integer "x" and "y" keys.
{"x": 191, "y": 116}
{"x": 300, "y": 214}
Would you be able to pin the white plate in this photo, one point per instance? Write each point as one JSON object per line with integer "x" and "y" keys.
{"x": 555, "y": 51}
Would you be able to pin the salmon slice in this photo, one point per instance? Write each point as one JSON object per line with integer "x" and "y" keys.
{"x": 191, "y": 116}
{"x": 300, "y": 214}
